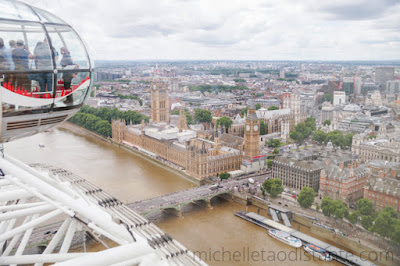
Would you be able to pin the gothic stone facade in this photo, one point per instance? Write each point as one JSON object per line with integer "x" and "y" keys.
{"x": 201, "y": 158}
{"x": 159, "y": 102}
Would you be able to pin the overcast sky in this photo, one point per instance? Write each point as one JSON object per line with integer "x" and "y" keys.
{"x": 232, "y": 29}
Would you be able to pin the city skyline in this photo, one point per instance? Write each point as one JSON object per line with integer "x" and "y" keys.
{"x": 234, "y": 30}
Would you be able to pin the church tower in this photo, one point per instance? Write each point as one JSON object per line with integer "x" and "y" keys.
{"x": 182, "y": 123}
{"x": 159, "y": 102}
{"x": 251, "y": 134}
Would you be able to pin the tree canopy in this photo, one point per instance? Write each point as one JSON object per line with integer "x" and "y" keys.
{"x": 258, "y": 106}
{"x": 217, "y": 88}
{"x": 224, "y": 176}
{"x": 274, "y": 143}
{"x": 244, "y": 111}
{"x": 273, "y": 107}
{"x": 225, "y": 122}
{"x": 365, "y": 206}
{"x": 263, "y": 127}
{"x": 202, "y": 116}
{"x": 300, "y": 133}
{"x": 319, "y": 136}
{"x": 327, "y": 122}
{"x": 273, "y": 187}
{"x": 385, "y": 222}
{"x": 334, "y": 208}
{"x": 336, "y": 137}
{"x": 306, "y": 197}
{"x": 327, "y": 97}
{"x": 93, "y": 123}
{"x": 131, "y": 97}
{"x": 303, "y": 130}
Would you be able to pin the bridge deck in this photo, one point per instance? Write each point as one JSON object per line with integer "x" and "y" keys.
{"x": 179, "y": 198}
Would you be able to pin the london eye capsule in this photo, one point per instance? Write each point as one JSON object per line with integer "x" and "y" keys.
{"x": 45, "y": 70}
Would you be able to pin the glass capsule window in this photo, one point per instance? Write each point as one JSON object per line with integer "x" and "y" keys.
{"x": 44, "y": 65}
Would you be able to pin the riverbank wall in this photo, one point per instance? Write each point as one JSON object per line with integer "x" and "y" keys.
{"x": 381, "y": 257}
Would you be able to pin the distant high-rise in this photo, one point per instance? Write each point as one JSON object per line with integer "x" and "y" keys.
{"x": 159, "y": 102}
{"x": 282, "y": 73}
{"x": 393, "y": 86}
{"x": 384, "y": 74}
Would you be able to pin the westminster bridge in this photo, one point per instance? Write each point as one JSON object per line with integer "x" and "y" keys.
{"x": 201, "y": 195}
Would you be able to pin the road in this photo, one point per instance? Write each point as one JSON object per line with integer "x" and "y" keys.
{"x": 205, "y": 192}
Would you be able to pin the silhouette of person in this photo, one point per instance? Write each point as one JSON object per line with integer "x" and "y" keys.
{"x": 20, "y": 57}
{"x": 66, "y": 60}
{"x": 6, "y": 62}
{"x": 43, "y": 56}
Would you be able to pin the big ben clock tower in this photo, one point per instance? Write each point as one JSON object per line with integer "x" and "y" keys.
{"x": 251, "y": 134}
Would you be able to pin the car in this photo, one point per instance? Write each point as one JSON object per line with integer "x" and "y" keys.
{"x": 286, "y": 205}
{"x": 280, "y": 202}
{"x": 213, "y": 187}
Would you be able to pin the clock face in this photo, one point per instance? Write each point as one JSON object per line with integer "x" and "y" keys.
{"x": 248, "y": 128}
{"x": 255, "y": 127}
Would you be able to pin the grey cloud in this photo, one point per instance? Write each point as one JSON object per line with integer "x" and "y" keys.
{"x": 381, "y": 41}
{"x": 364, "y": 10}
{"x": 142, "y": 31}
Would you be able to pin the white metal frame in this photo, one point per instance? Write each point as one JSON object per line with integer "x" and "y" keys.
{"x": 30, "y": 199}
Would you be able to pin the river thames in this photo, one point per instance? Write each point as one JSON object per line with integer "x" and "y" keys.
{"x": 215, "y": 234}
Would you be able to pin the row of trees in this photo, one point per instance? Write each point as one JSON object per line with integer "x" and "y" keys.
{"x": 386, "y": 223}
{"x": 131, "y": 97}
{"x": 109, "y": 114}
{"x": 216, "y": 88}
{"x": 99, "y": 120}
{"x": 336, "y": 137}
{"x": 92, "y": 123}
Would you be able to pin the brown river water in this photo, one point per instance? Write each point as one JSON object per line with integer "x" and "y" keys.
{"x": 216, "y": 235}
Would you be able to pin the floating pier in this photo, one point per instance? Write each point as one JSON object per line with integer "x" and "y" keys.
{"x": 338, "y": 254}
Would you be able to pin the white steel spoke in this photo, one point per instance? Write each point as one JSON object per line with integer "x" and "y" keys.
{"x": 15, "y": 239}
{"x": 25, "y": 240}
{"x": 28, "y": 225}
{"x": 24, "y": 212}
{"x": 30, "y": 259}
{"x": 21, "y": 206}
{"x": 68, "y": 237}
{"x": 54, "y": 241}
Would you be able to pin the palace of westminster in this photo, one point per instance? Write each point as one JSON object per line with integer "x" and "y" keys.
{"x": 202, "y": 153}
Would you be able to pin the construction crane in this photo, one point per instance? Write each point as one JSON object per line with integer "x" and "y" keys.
{"x": 339, "y": 86}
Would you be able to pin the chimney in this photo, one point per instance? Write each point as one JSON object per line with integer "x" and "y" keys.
{"x": 393, "y": 174}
